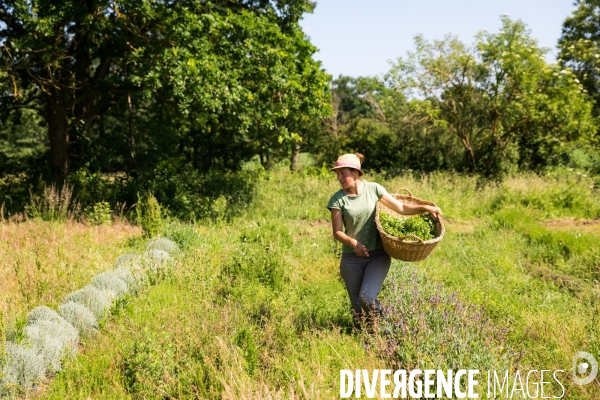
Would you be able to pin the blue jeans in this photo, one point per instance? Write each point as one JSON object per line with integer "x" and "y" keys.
{"x": 364, "y": 277}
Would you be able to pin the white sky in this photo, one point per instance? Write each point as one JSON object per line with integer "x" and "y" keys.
{"x": 358, "y": 37}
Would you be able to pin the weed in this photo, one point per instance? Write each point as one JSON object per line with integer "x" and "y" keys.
{"x": 99, "y": 214}
{"x": 245, "y": 341}
{"x": 55, "y": 204}
{"x": 149, "y": 365}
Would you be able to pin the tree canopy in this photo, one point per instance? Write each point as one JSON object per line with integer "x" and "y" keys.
{"x": 496, "y": 102}
{"x": 121, "y": 85}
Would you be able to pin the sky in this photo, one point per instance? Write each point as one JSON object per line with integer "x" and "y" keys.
{"x": 359, "y": 37}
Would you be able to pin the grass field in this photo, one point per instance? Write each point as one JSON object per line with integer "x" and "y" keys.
{"x": 256, "y": 308}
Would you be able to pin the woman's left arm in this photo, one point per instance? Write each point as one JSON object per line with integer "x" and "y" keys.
{"x": 408, "y": 209}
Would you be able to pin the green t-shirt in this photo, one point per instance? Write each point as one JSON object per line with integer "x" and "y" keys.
{"x": 358, "y": 215}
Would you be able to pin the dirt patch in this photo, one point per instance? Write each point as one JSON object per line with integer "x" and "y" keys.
{"x": 319, "y": 223}
{"x": 581, "y": 225}
{"x": 461, "y": 226}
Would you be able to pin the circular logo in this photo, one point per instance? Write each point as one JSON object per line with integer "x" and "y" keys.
{"x": 590, "y": 367}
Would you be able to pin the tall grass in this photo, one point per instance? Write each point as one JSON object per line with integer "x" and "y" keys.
{"x": 258, "y": 309}
{"x": 42, "y": 261}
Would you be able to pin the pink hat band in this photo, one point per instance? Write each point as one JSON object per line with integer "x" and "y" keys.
{"x": 347, "y": 164}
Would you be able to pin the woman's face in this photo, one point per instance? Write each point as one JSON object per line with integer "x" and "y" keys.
{"x": 347, "y": 177}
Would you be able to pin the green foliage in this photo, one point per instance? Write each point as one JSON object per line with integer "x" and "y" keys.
{"x": 99, "y": 214}
{"x": 302, "y": 331}
{"x": 124, "y": 88}
{"x": 149, "y": 215}
{"x": 245, "y": 341}
{"x": 148, "y": 362}
{"x": 579, "y": 47}
{"x": 192, "y": 195}
{"x": 514, "y": 109}
{"x": 251, "y": 263}
{"x": 426, "y": 326}
{"x": 421, "y": 226}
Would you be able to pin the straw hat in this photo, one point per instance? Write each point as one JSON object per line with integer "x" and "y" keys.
{"x": 348, "y": 161}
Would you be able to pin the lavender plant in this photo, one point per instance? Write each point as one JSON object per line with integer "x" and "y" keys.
{"x": 92, "y": 298}
{"x": 80, "y": 317}
{"x": 110, "y": 281}
{"x": 156, "y": 264}
{"x": 424, "y": 325}
{"x": 43, "y": 313}
{"x": 53, "y": 340}
{"x": 23, "y": 368}
{"x": 163, "y": 244}
{"x": 134, "y": 281}
{"x": 126, "y": 259}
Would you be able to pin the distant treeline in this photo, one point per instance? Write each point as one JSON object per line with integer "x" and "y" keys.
{"x": 169, "y": 97}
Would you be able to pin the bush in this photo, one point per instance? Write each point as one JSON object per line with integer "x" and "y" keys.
{"x": 151, "y": 362}
{"x": 110, "y": 281}
{"x": 23, "y": 369}
{"x": 99, "y": 214}
{"x": 252, "y": 264}
{"x": 53, "y": 340}
{"x": 163, "y": 244}
{"x": 92, "y": 298}
{"x": 80, "y": 317}
{"x": 42, "y": 313}
{"x": 157, "y": 264}
{"x": 134, "y": 278}
{"x": 126, "y": 259}
{"x": 149, "y": 215}
{"x": 423, "y": 325}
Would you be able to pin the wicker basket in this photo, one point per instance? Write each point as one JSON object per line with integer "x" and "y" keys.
{"x": 401, "y": 248}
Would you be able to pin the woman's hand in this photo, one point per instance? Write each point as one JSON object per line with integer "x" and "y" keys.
{"x": 434, "y": 211}
{"x": 360, "y": 249}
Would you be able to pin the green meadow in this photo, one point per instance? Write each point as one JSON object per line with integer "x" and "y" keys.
{"x": 256, "y": 309}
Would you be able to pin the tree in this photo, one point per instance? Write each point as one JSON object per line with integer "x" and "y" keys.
{"x": 500, "y": 98}
{"x": 579, "y": 47}
{"x": 225, "y": 79}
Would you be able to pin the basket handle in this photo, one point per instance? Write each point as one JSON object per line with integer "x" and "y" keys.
{"x": 411, "y": 236}
{"x": 405, "y": 189}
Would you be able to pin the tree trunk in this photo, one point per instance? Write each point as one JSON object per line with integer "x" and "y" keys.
{"x": 295, "y": 156}
{"x": 58, "y": 133}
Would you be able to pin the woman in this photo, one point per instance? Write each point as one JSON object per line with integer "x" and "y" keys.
{"x": 364, "y": 264}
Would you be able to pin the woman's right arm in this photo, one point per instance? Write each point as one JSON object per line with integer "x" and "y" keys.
{"x": 337, "y": 226}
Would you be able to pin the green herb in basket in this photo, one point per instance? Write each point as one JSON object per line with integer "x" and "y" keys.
{"x": 422, "y": 225}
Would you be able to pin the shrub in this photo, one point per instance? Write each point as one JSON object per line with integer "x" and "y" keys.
{"x": 163, "y": 244}
{"x": 23, "y": 368}
{"x": 42, "y": 313}
{"x": 126, "y": 259}
{"x": 92, "y": 298}
{"x": 422, "y": 324}
{"x": 80, "y": 317}
{"x": 53, "y": 340}
{"x": 110, "y": 281}
{"x": 156, "y": 263}
{"x": 99, "y": 214}
{"x": 254, "y": 264}
{"x": 149, "y": 215}
{"x": 150, "y": 363}
{"x": 134, "y": 278}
